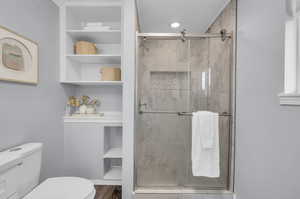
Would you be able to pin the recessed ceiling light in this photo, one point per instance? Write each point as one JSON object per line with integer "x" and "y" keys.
{"x": 175, "y": 25}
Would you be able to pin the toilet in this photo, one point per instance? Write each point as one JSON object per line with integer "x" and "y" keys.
{"x": 20, "y": 172}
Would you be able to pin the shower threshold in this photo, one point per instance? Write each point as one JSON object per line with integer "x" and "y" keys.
{"x": 177, "y": 190}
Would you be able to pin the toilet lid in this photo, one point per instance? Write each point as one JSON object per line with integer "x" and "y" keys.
{"x": 63, "y": 188}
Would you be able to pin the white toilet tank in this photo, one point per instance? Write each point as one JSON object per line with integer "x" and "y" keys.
{"x": 20, "y": 170}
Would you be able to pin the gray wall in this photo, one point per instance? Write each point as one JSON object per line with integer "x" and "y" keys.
{"x": 34, "y": 113}
{"x": 268, "y": 136}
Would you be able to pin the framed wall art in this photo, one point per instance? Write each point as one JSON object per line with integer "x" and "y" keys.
{"x": 18, "y": 58}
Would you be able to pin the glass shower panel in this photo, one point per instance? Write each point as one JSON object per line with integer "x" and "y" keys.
{"x": 161, "y": 138}
{"x": 211, "y": 80}
{"x": 176, "y": 76}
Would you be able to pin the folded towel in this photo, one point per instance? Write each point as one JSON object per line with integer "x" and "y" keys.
{"x": 95, "y": 28}
{"x": 94, "y": 24}
{"x": 205, "y": 144}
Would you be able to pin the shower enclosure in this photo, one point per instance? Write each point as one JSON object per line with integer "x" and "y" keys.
{"x": 177, "y": 75}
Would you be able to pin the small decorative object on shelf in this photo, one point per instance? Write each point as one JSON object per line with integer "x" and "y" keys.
{"x": 68, "y": 110}
{"x": 85, "y": 48}
{"x": 95, "y": 26}
{"x": 91, "y": 107}
{"x": 72, "y": 105}
{"x": 110, "y": 74}
{"x": 83, "y": 106}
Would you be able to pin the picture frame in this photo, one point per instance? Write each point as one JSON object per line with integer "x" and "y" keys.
{"x": 18, "y": 58}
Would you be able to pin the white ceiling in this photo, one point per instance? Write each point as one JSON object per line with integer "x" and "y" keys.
{"x": 194, "y": 15}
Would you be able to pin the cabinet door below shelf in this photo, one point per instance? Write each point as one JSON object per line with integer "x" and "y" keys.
{"x": 82, "y": 150}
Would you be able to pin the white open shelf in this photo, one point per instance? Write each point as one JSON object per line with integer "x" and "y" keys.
{"x": 114, "y": 173}
{"x": 105, "y": 37}
{"x": 96, "y": 59}
{"x": 112, "y": 169}
{"x": 94, "y": 83}
{"x": 104, "y": 118}
{"x": 84, "y": 70}
{"x": 113, "y": 153}
{"x": 113, "y": 142}
{"x": 108, "y": 14}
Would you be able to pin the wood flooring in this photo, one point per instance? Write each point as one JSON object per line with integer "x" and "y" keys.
{"x": 108, "y": 192}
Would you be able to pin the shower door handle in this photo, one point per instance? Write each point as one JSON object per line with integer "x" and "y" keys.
{"x": 141, "y": 106}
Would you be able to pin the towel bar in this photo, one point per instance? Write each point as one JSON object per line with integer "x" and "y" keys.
{"x": 224, "y": 114}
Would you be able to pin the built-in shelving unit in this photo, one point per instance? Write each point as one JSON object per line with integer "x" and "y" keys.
{"x": 83, "y": 71}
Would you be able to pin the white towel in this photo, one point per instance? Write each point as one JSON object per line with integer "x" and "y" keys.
{"x": 95, "y": 28}
{"x": 94, "y": 24}
{"x": 205, "y": 144}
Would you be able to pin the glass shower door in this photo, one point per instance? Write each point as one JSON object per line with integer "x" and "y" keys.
{"x": 211, "y": 80}
{"x": 161, "y": 138}
{"x": 176, "y": 76}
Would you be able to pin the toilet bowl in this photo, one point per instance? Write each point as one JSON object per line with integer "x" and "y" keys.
{"x": 63, "y": 188}
{"x": 20, "y": 172}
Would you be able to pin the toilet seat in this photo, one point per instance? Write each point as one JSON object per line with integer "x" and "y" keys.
{"x": 63, "y": 188}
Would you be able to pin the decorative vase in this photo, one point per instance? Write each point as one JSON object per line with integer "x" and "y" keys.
{"x": 68, "y": 111}
{"x": 83, "y": 109}
{"x": 91, "y": 109}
